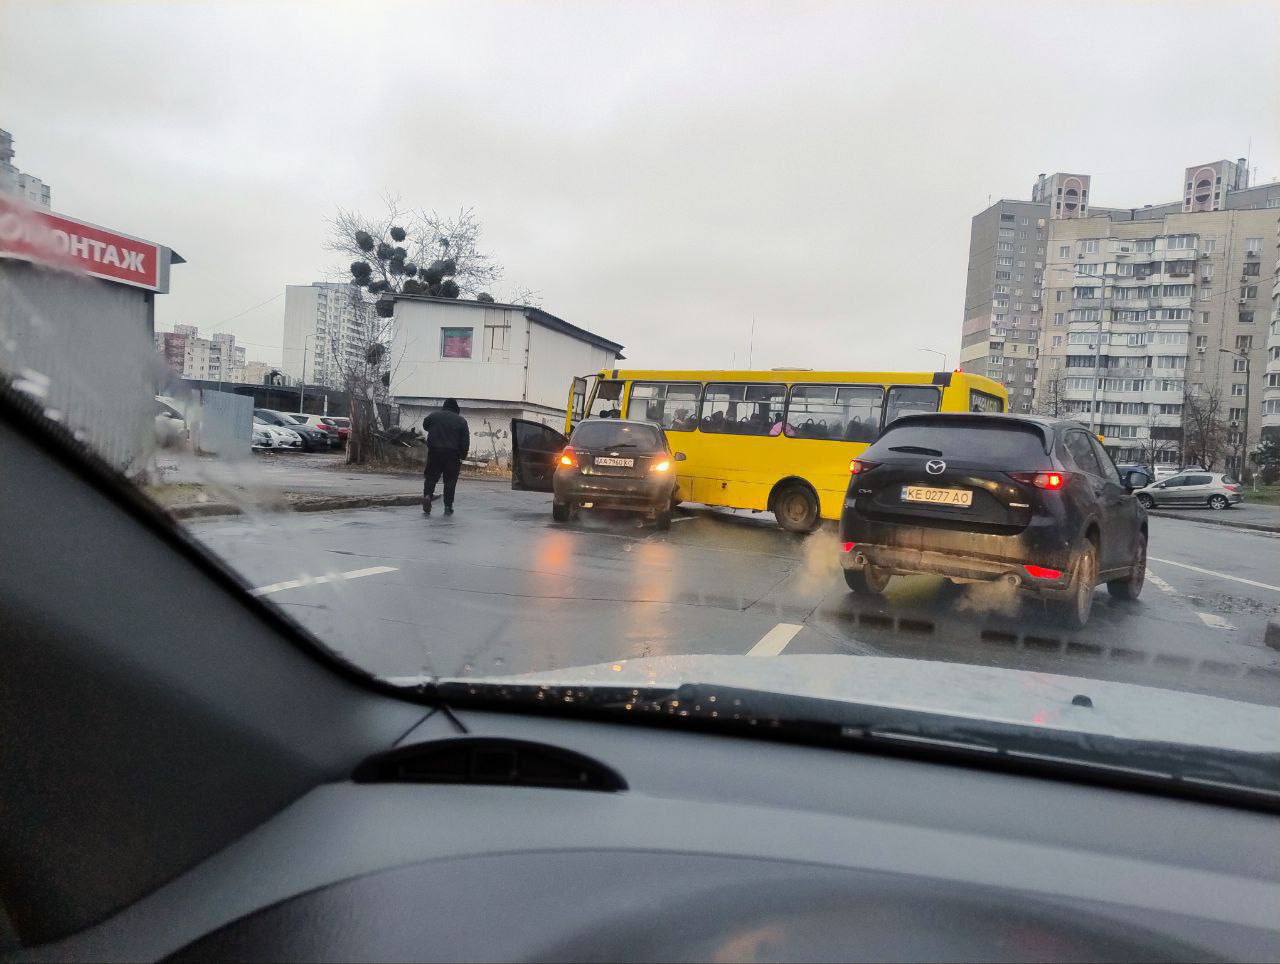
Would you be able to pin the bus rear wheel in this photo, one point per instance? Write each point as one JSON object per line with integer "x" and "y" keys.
{"x": 796, "y": 508}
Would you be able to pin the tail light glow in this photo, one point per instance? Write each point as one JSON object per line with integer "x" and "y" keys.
{"x": 1043, "y": 572}
{"x": 568, "y": 457}
{"x": 847, "y": 546}
{"x": 1042, "y": 480}
{"x": 661, "y": 466}
{"x": 858, "y": 466}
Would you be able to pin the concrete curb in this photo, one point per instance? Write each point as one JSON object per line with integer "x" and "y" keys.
{"x": 1214, "y": 520}
{"x": 194, "y": 510}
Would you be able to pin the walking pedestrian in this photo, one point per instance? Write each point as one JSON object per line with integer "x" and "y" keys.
{"x": 448, "y": 441}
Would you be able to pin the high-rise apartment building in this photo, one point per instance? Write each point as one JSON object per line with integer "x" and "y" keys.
{"x": 14, "y": 181}
{"x": 1143, "y": 309}
{"x": 1271, "y": 384}
{"x": 1002, "y": 309}
{"x": 326, "y": 327}
{"x": 217, "y": 359}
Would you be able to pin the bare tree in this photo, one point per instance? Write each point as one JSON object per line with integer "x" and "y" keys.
{"x": 1051, "y": 399}
{"x": 457, "y": 239}
{"x": 526, "y": 297}
{"x": 1204, "y": 428}
{"x": 1164, "y": 437}
{"x": 364, "y": 366}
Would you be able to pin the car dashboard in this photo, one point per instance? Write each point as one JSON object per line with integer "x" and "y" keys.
{"x": 717, "y": 847}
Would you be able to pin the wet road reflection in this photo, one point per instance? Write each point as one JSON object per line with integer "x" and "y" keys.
{"x": 499, "y": 588}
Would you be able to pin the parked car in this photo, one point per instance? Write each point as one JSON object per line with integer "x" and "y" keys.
{"x": 343, "y": 425}
{"x": 318, "y": 423}
{"x": 261, "y": 436}
{"x": 607, "y": 464}
{"x": 170, "y": 424}
{"x": 1034, "y": 502}
{"x": 1213, "y": 489}
{"x": 281, "y": 437}
{"x": 1168, "y": 471}
{"x": 312, "y": 439}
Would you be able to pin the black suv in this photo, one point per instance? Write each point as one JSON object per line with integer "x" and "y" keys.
{"x": 1035, "y": 502}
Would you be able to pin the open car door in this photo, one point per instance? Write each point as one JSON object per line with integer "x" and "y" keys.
{"x": 534, "y": 449}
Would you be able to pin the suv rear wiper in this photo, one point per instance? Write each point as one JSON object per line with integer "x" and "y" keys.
{"x": 914, "y": 450}
{"x": 1222, "y": 775}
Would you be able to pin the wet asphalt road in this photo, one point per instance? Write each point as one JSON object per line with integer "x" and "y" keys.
{"x": 499, "y": 588}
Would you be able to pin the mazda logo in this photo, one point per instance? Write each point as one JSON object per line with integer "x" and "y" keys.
{"x": 935, "y": 466}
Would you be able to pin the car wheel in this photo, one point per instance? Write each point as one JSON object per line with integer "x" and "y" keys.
{"x": 867, "y": 581}
{"x": 796, "y": 509}
{"x": 1145, "y": 500}
{"x": 1074, "y": 610}
{"x": 560, "y": 511}
{"x": 1219, "y": 502}
{"x": 1131, "y": 587}
{"x": 663, "y": 520}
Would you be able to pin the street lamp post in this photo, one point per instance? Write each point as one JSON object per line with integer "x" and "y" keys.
{"x": 934, "y": 351}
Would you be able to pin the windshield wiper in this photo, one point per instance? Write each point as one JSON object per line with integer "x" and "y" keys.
{"x": 914, "y": 450}
{"x": 1221, "y": 775}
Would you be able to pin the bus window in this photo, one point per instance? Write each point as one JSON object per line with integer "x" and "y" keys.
{"x": 607, "y": 401}
{"x": 673, "y": 405}
{"x": 984, "y": 402}
{"x": 845, "y": 413}
{"x": 909, "y": 400}
{"x": 742, "y": 409}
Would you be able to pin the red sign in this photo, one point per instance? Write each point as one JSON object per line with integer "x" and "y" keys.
{"x": 33, "y": 234}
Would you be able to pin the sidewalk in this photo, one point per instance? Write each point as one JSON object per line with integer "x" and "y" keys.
{"x": 1260, "y": 518}
{"x": 300, "y": 482}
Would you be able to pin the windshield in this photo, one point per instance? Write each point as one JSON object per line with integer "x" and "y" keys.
{"x": 606, "y": 434}
{"x": 795, "y": 247}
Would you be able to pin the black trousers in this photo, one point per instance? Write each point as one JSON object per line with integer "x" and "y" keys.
{"x": 441, "y": 462}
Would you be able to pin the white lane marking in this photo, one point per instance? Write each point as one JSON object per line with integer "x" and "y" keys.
{"x": 318, "y": 580}
{"x": 775, "y": 640}
{"x": 1220, "y": 575}
{"x": 1159, "y": 583}
{"x": 1214, "y": 621}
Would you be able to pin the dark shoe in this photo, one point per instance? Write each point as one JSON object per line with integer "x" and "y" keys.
{"x": 448, "y": 510}
{"x": 426, "y": 507}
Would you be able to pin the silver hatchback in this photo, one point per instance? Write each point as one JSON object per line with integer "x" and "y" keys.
{"x": 1213, "y": 489}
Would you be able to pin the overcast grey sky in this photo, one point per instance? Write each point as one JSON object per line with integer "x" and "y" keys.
{"x": 659, "y": 172}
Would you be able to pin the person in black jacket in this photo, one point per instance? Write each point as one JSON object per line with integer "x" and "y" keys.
{"x": 448, "y": 441}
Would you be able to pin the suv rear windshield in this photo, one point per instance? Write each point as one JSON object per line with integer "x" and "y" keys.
{"x": 604, "y": 433}
{"x": 1006, "y": 444}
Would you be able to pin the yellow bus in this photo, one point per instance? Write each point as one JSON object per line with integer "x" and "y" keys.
{"x": 777, "y": 441}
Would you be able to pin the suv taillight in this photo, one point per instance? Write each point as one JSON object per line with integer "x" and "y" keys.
{"x": 1041, "y": 480}
{"x": 568, "y": 458}
{"x": 858, "y": 466}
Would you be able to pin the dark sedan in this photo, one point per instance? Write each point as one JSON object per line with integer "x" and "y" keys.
{"x": 607, "y": 463}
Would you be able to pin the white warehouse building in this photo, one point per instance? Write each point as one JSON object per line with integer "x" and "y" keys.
{"x": 499, "y": 361}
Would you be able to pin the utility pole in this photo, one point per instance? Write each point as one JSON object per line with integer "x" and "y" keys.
{"x": 302, "y": 386}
